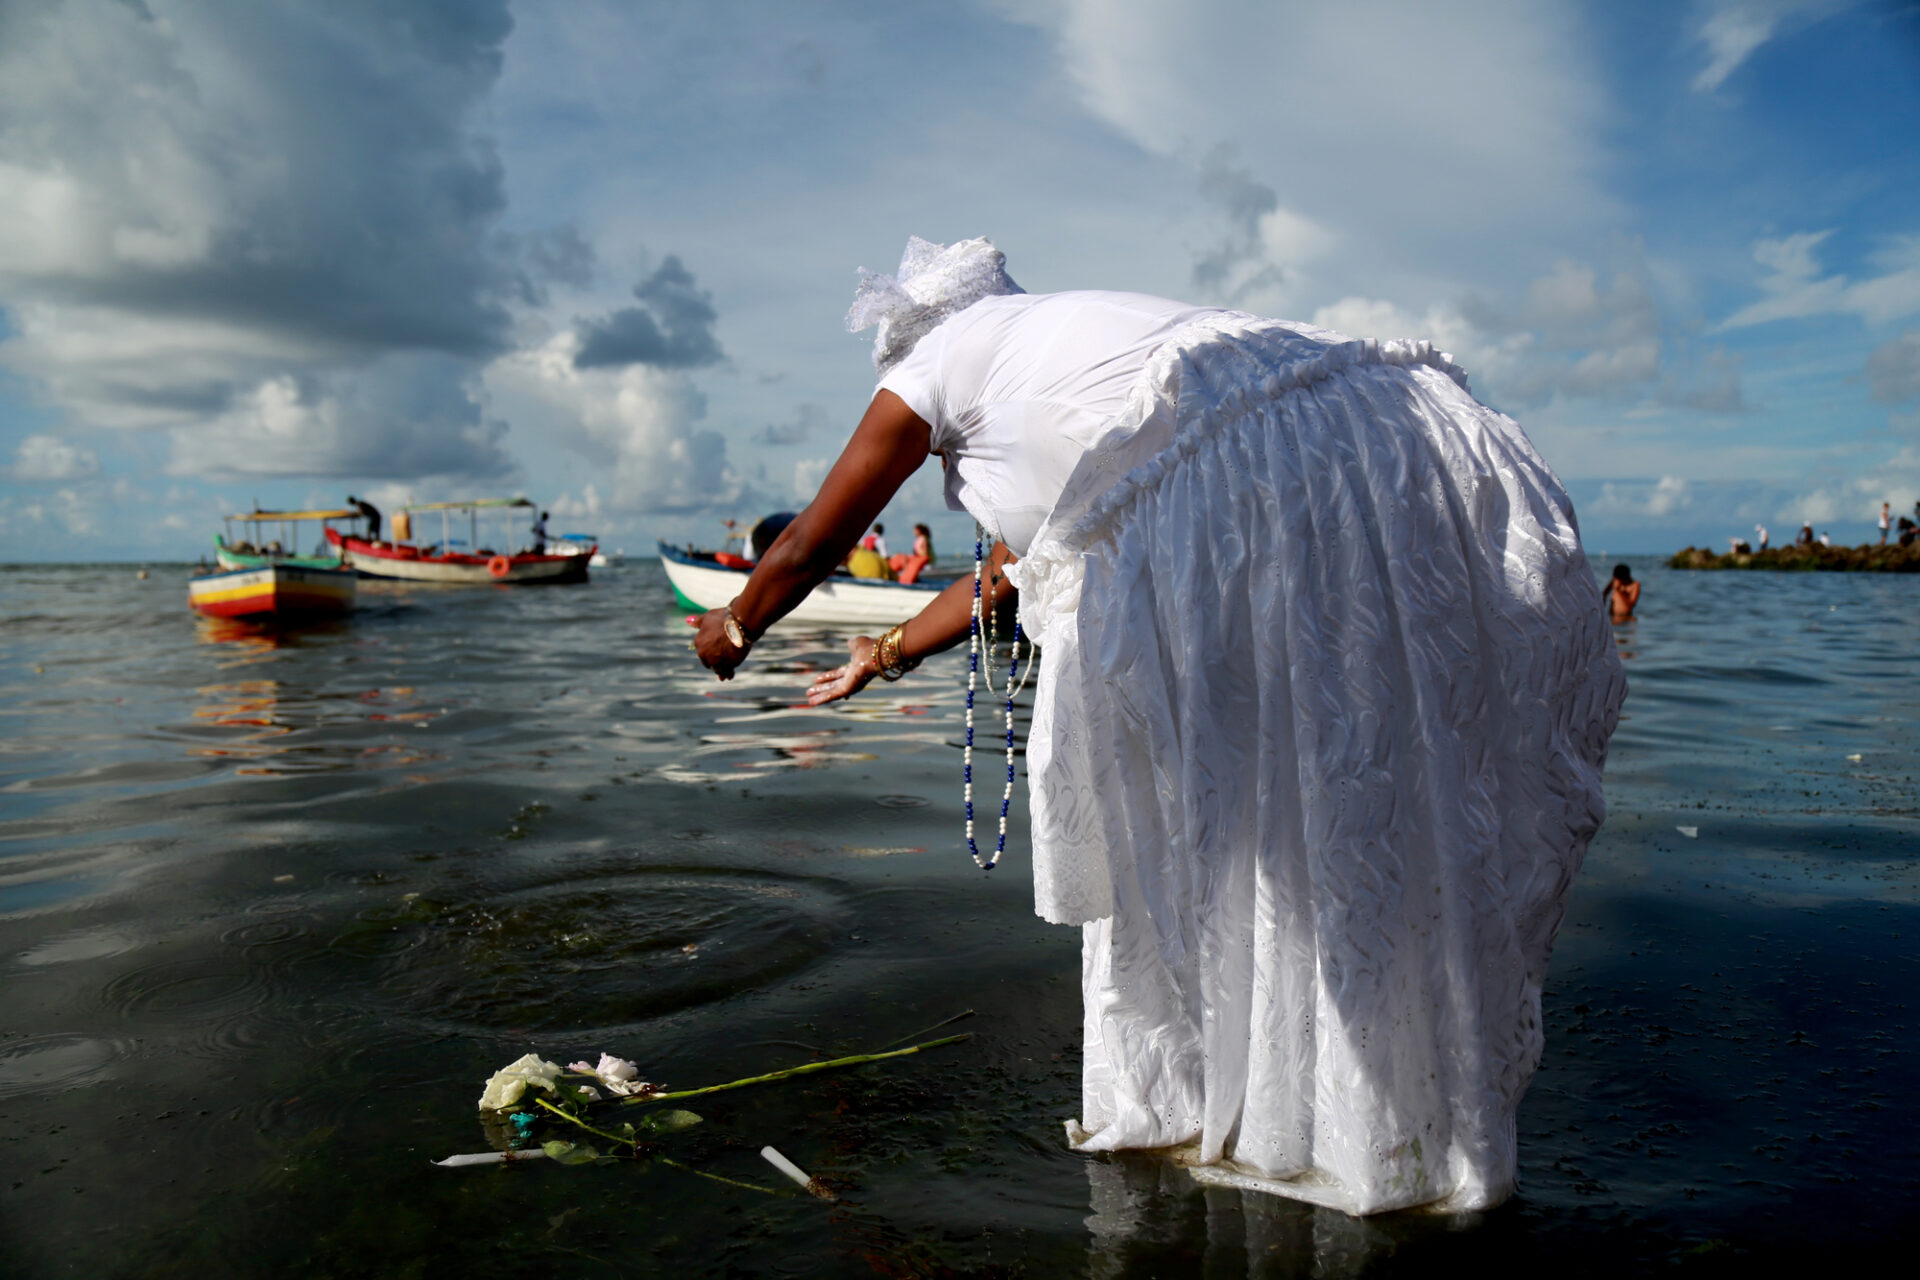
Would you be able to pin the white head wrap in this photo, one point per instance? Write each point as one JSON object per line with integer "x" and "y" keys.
{"x": 935, "y": 281}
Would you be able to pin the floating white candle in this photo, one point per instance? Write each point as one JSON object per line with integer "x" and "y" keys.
{"x": 490, "y": 1157}
{"x": 793, "y": 1171}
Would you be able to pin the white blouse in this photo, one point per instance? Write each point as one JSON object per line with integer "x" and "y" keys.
{"x": 1017, "y": 389}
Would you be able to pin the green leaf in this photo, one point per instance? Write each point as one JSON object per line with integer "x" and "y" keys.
{"x": 673, "y": 1121}
{"x": 569, "y": 1152}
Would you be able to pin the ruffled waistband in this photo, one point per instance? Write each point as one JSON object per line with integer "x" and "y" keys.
{"x": 1094, "y": 498}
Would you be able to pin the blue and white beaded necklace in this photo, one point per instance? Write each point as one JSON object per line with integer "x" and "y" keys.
{"x": 985, "y": 634}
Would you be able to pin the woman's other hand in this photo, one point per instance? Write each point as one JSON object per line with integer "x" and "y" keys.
{"x": 844, "y": 682}
{"x": 717, "y": 653}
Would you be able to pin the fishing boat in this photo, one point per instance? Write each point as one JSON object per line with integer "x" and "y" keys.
{"x": 273, "y": 538}
{"x": 455, "y": 560}
{"x": 710, "y": 580}
{"x": 273, "y": 592}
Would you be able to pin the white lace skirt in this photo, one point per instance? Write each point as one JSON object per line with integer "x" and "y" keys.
{"x": 1316, "y": 754}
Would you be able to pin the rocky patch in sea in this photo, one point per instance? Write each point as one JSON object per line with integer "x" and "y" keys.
{"x": 1870, "y": 558}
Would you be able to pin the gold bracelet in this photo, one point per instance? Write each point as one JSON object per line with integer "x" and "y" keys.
{"x": 886, "y": 656}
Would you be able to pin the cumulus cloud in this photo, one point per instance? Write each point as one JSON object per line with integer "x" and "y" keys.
{"x": 1485, "y": 355}
{"x": 1733, "y": 29}
{"x": 807, "y": 419}
{"x": 1794, "y": 286}
{"x": 637, "y": 424}
{"x": 807, "y": 475}
{"x": 1710, "y": 383}
{"x": 585, "y": 507}
{"x": 1893, "y": 370}
{"x": 1656, "y": 499}
{"x": 217, "y": 217}
{"x": 1584, "y": 337}
{"x": 67, "y": 509}
{"x": 45, "y": 457}
{"x": 1475, "y": 123}
{"x": 402, "y": 416}
{"x": 1569, "y": 333}
{"x": 672, "y": 328}
{"x": 1238, "y": 266}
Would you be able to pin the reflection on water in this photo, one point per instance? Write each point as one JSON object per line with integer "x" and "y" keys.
{"x": 274, "y": 722}
{"x": 274, "y": 904}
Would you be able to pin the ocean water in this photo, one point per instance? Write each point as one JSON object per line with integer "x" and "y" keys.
{"x": 271, "y": 911}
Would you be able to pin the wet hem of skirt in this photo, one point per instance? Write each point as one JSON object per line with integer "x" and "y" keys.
{"x": 1313, "y": 1186}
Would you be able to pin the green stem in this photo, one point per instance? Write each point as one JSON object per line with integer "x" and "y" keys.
{"x": 573, "y": 1119}
{"x": 807, "y": 1069}
{"x": 944, "y": 1022}
{"x": 748, "y": 1186}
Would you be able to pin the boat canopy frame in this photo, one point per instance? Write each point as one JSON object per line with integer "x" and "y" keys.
{"x": 288, "y": 521}
{"x": 473, "y": 507}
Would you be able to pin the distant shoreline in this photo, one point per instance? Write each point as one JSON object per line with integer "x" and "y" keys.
{"x": 1868, "y": 558}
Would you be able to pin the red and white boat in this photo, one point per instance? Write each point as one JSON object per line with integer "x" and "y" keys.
{"x": 272, "y": 593}
{"x": 409, "y": 558}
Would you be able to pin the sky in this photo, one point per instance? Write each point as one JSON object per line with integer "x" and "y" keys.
{"x": 600, "y": 254}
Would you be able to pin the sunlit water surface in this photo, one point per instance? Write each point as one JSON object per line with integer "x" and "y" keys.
{"x": 272, "y": 910}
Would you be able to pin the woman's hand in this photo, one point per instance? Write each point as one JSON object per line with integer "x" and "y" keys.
{"x": 844, "y": 682}
{"x": 717, "y": 653}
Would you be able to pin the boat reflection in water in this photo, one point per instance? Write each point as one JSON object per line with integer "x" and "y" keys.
{"x": 266, "y": 635}
{"x": 280, "y": 728}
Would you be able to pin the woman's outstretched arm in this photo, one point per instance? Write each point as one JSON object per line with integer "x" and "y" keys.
{"x": 944, "y": 623}
{"x": 888, "y": 446}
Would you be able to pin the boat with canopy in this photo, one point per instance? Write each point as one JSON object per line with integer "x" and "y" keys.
{"x": 413, "y": 555}
{"x": 262, "y": 577}
{"x": 274, "y": 537}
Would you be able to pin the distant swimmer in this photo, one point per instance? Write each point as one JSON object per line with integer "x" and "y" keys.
{"x": 1622, "y": 593}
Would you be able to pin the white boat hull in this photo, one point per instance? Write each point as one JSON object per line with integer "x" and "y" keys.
{"x": 425, "y": 570}
{"x": 838, "y": 601}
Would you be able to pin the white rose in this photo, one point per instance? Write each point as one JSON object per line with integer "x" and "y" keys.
{"x": 619, "y": 1075}
{"x": 511, "y": 1081}
{"x": 614, "y": 1069}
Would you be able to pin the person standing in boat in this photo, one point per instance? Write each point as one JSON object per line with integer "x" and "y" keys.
{"x": 370, "y": 513}
{"x": 540, "y": 534}
{"x": 1319, "y": 727}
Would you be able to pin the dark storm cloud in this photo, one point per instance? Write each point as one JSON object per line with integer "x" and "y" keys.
{"x": 253, "y": 197}
{"x": 345, "y": 198}
{"x": 672, "y": 328}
